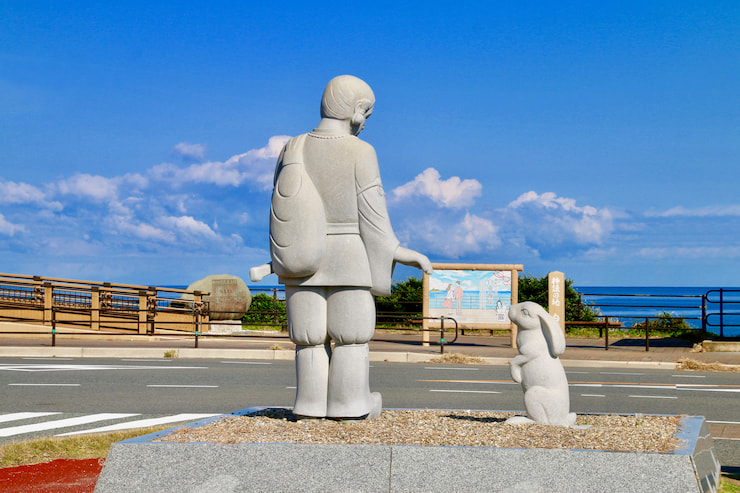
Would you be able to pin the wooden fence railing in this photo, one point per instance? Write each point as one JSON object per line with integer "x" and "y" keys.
{"x": 99, "y": 305}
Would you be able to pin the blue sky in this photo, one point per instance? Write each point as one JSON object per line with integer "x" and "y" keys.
{"x": 138, "y": 139}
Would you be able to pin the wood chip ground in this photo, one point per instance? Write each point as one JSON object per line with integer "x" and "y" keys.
{"x": 629, "y": 433}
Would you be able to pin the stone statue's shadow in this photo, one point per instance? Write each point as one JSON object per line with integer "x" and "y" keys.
{"x": 477, "y": 419}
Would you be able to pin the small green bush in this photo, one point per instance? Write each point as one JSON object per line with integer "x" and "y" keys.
{"x": 265, "y": 310}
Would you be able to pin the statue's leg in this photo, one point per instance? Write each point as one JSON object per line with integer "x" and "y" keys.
{"x": 351, "y": 323}
{"x": 307, "y": 328}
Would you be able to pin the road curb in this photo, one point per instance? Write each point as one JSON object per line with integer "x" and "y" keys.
{"x": 283, "y": 355}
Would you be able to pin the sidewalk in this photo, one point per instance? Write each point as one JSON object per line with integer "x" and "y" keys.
{"x": 386, "y": 346}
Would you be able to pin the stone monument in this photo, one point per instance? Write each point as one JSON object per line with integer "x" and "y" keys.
{"x": 332, "y": 246}
{"x": 537, "y": 367}
{"x": 228, "y": 301}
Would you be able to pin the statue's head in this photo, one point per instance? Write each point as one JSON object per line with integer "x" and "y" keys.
{"x": 348, "y": 98}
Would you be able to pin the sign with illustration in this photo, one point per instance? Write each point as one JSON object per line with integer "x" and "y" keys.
{"x": 477, "y": 296}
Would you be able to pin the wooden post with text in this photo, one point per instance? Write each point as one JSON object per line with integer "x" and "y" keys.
{"x": 556, "y": 297}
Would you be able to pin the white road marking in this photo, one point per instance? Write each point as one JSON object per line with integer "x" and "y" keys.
{"x": 712, "y": 390}
{"x": 19, "y": 416}
{"x": 593, "y": 395}
{"x": 466, "y": 391}
{"x": 43, "y": 384}
{"x": 61, "y": 423}
{"x": 151, "y": 360}
{"x": 447, "y": 368}
{"x": 142, "y": 423}
{"x": 618, "y": 373}
{"x": 721, "y": 438}
{"x": 247, "y": 362}
{"x": 725, "y": 422}
{"x": 654, "y": 396}
{"x": 184, "y": 386}
{"x": 689, "y": 376}
{"x": 50, "y": 359}
{"x": 292, "y": 388}
{"x": 41, "y": 367}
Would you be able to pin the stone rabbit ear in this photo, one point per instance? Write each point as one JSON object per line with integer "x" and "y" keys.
{"x": 553, "y": 334}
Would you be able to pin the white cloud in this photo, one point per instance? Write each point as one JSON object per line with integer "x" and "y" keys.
{"x": 23, "y": 193}
{"x": 452, "y": 192}
{"x": 99, "y": 188}
{"x": 190, "y": 151}
{"x": 130, "y": 227}
{"x": 698, "y": 252}
{"x": 549, "y": 220}
{"x": 709, "y": 211}
{"x": 255, "y": 166}
{"x": 8, "y": 228}
{"x": 452, "y": 236}
{"x": 190, "y": 226}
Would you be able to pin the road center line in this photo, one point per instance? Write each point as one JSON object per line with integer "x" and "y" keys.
{"x": 43, "y": 384}
{"x": 689, "y": 376}
{"x": 185, "y": 386}
{"x": 466, "y": 391}
{"x": 247, "y": 362}
{"x": 725, "y": 422}
{"x": 593, "y": 395}
{"x": 654, "y": 396}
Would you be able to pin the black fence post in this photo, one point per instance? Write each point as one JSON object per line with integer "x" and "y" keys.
{"x": 647, "y": 334}
{"x": 606, "y": 333}
{"x": 721, "y": 312}
{"x": 53, "y": 327}
{"x": 442, "y": 335}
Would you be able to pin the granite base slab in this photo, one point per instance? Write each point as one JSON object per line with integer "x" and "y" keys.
{"x": 142, "y": 465}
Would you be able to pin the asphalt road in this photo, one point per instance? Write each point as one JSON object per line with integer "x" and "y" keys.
{"x": 94, "y": 393}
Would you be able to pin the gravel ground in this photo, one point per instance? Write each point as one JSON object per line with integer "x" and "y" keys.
{"x": 630, "y": 433}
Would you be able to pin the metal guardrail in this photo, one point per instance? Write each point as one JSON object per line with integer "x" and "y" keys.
{"x": 729, "y": 297}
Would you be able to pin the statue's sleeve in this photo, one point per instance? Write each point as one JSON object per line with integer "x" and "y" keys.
{"x": 375, "y": 225}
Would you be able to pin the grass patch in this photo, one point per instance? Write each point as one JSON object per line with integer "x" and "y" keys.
{"x": 692, "y": 364}
{"x": 729, "y": 483}
{"x": 454, "y": 358}
{"x": 92, "y": 446}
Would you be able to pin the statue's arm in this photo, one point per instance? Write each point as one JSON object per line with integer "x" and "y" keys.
{"x": 516, "y": 367}
{"x": 256, "y": 274}
{"x": 413, "y": 258}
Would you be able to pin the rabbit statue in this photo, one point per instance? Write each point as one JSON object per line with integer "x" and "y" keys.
{"x": 538, "y": 368}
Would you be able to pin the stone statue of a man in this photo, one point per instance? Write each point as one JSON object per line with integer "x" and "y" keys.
{"x": 333, "y": 247}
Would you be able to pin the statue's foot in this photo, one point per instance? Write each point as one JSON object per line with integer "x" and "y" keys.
{"x": 519, "y": 420}
{"x": 377, "y": 402}
{"x": 309, "y": 410}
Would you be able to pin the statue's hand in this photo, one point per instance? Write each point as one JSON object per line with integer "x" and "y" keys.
{"x": 256, "y": 274}
{"x": 413, "y": 258}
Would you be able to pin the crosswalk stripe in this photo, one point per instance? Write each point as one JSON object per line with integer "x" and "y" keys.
{"x": 62, "y": 423}
{"x": 142, "y": 423}
{"x": 19, "y": 416}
